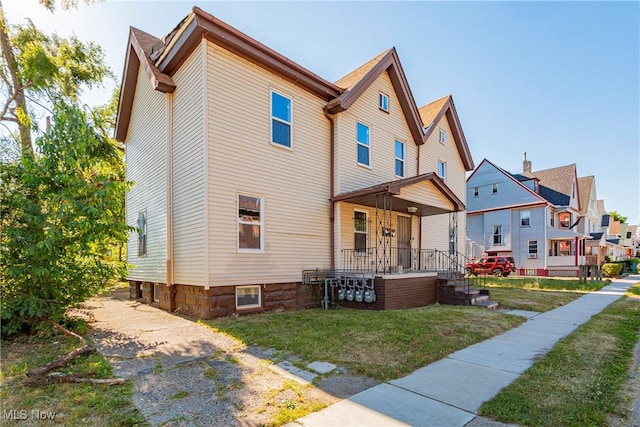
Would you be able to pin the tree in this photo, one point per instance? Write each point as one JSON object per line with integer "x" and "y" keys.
{"x": 617, "y": 217}
{"x": 36, "y": 66}
{"x": 62, "y": 220}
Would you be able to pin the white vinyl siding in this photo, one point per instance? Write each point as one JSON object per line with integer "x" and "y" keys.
{"x": 294, "y": 183}
{"x": 188, "y": 173}
{"x": 385, "y": 129}
{"x": 145, "y": 148}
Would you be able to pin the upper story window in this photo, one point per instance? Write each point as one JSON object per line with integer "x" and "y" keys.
{"x": 476, "y": 191}
{"x": 442, "y": 169}
{"x": 525, "y": 218}
{"x": 400, "y": 157}
{"x": 497, "y": 234}
{"x": 280, "y": 120}
{"x": 364, "y": 157}
{"x": 565, "y": 219}
{"x": 494, "y": 188}
{"x": 250, "y": 223}
{"x": 142, "y": 233}
{"x": 443, "y": 136}
{"x": 383, "y": 102}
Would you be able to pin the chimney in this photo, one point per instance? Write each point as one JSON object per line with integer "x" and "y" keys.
{"x": 526, "y": 164}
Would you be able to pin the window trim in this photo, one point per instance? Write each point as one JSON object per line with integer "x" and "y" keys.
{"x": 494, "y": 188}
{"x": 494, "y": 234}
{"x": 442, "y": 138}
{"x": 442, "y": 163}
{"x": 143, "y": 234}
{"x": 273, "y": 117}
{"x": 527, "y": 217}
{"x": 365, "y": 232}
{"x": 367, "y": 145}
{"x": 252, "y": 306}
{"x": 403, "y": 159}
{"x": 568, "y": 220}
{"x": 382, "y": 105}
{"x": 476, "y": 191}
{"x": 261, "y": 224}
{"x": 530, "y": 244}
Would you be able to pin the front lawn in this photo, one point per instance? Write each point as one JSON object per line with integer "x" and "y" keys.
{"x": 580, "y": 382}
{"x": 380, "y": 344}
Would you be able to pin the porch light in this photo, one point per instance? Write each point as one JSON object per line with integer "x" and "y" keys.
{"x": 412, "y": 209}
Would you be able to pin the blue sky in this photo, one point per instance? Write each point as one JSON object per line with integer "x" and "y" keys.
{"x": 559, "y": 80}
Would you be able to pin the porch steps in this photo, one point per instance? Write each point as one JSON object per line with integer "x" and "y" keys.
{"x": 454, "y": 291}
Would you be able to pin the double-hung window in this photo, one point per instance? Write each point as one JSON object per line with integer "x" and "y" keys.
{"x": 363, "y": 138}
{"x": 280, "y": 120}
{"x": 533, "y": 249}
{"x": 442, "y": 169}
{"x": 565, "y": 219}
{"x": 142, "y": 233}
{"x": 497, "y": 234}
{"x": 525, "y": 218}
{"x": 250, "y": 223}
{"x": 360, "y": 231}
{"x": 476, "y": 192}
{"x": 400, "y": 157}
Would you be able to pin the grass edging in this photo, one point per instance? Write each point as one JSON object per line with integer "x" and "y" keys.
{"x": 581, "y": 380}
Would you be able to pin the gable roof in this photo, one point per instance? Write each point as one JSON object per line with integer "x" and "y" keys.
{"x": 182, "y": 40}
{"x": 508, "y": 175}
{"x": 444, "y": 107}
{"x": 559, "y": 179}
{"x": 359, "y": 80}
{"x": 585, "y": 185}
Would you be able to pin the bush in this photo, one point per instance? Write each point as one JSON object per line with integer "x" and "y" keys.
{"x": 611, "y": 269}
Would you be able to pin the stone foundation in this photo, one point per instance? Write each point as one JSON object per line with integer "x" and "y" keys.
{"x": 220, "y": 301}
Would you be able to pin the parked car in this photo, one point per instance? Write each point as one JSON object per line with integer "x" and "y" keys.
{"x": 496, "y": 265}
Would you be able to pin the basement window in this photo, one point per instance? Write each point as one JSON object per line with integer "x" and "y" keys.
{"x": 248, "y": 297}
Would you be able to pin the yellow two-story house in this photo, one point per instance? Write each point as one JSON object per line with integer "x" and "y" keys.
{"x": 249, "y": 169}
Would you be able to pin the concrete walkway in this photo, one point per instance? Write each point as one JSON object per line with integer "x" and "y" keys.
{"x": 450, "y": 391}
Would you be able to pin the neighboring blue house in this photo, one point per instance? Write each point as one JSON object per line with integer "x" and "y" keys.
{"x": 530, "y": 216}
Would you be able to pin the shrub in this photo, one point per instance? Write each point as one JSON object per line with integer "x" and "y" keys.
{"x": 611, "y": 270}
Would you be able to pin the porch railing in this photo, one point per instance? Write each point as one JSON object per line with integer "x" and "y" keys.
{"x": 394, "y": 260}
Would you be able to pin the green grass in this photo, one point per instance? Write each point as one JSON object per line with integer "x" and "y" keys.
{"x": 536, "y": 294}
{"x": 634, "y": 290}
{"x": 580, "y": 381}
{"x": 71, "y": 404}
{"x": 380, "y": 344}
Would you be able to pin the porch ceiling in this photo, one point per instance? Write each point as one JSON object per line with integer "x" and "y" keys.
{"x": 373, "y": 196}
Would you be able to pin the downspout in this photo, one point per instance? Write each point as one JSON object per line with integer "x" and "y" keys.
{"x": 169, "y": 207}
{"x": 332, "y": 204}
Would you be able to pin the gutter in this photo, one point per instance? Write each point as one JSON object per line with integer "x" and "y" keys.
{"x": 332, "y": 203}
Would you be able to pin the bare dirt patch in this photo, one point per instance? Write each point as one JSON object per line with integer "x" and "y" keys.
{"x": 184, "y": 374}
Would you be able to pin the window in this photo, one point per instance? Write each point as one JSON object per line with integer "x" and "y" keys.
{"x": 248, "y": 297}
{"x": 442, "y": 169}
{"x": 533, "y": 249}
{"x": 360, "y": 231}
{"x": 494, "y": 188}
{"x": 363, "y": 144}
{"x": 475, "y": 192}
{"x": 156, "y": 292}
{"x": 525, "y": 218}
{"x": 250, "y": 223}
{"x": 383, "y": 102}
{"x": 443, "y": 136}
{"x": 561, "y": 248}
{"x": 400, "y": 159}
{"x": 142, "y": 233}
{"x": 280, "y": 120}
{"x": 497, "y": 234}
{"x": 565, "y": 219}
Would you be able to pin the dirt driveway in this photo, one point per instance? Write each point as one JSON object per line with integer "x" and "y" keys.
{"x": 185, "y": 374}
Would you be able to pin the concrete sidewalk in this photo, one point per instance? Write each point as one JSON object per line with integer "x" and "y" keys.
{"x": 450, "y": 391}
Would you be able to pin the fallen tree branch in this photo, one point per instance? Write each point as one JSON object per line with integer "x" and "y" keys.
{"x": 59, "y": 379}
{"x": 59, "y": 362}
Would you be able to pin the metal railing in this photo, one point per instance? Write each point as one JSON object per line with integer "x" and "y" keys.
{"x": 394, "y": 260}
